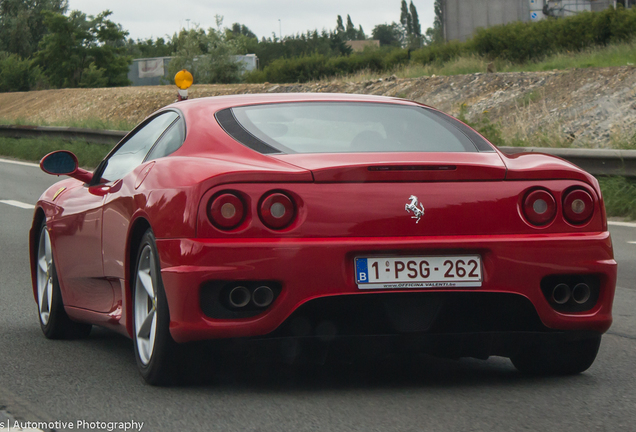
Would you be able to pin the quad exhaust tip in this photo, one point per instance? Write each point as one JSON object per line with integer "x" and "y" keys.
{"x": 263, "y": 296}
{"x": 581, "y": 293}
{"x": 561, "y": 293}
{"x": 239, "y": 297}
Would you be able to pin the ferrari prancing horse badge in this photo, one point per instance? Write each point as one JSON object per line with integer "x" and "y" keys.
{"x": 412, "y": 208}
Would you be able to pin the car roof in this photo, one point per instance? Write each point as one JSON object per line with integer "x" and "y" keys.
{"x": 217, "y": 103}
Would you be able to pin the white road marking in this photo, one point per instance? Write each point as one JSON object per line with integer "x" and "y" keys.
{"x": 29, "y": 164}
{"x": 623, "y": 224}
{"x": 18, "y": 204}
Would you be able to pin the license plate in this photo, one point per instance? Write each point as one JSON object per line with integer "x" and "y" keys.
{"x": 419, "y": 272}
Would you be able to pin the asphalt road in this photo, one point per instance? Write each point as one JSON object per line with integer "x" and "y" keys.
{"x": 96, "y": 379}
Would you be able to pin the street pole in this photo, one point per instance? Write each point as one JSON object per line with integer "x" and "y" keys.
{"x": 280, "y": 30}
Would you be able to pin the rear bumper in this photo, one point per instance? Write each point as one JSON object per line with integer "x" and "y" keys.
{"x": 309, "y": 269}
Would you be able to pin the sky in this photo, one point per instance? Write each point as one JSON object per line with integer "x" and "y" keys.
{"x": 157, "y": 18}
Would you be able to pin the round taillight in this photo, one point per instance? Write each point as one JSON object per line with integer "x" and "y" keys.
{"x": 539, "y": 207}
{"x": 277, "y": 211}
{"x": 226, "y": 211}
{"x": 578, "y": 206}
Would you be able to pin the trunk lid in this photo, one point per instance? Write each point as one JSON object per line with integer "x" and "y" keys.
{"x": 399, "y": 167}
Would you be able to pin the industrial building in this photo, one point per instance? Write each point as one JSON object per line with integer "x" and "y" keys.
{"x": 463, "y": 17}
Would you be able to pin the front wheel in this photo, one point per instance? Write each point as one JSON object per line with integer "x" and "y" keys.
{"x": 54, "y": 321}
{"x": 558, "y": 357}
{"x": 155, "y": 350}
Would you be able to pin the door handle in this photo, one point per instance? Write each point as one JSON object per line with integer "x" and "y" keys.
{"x": 103, "y": 189}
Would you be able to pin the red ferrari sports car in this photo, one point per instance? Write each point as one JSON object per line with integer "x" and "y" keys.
{"x": 328, "y": 218}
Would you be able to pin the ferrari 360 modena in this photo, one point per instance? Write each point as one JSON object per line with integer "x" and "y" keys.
{"x": 333, "y": 219}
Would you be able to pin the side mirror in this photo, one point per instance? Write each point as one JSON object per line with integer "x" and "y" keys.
{"x": 63, "y": 162}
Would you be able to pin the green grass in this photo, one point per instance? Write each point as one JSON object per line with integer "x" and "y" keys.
{"x": 619, "y": 54}
{"x": 88, "y": 155}
{"x": 91, "y": 123}
{"x": 619, "y": 194}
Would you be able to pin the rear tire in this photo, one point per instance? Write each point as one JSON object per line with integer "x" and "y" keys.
{"x": 54, "y": 321}
{"x": 155, "y": 350}
{"x": 559, "y": 357}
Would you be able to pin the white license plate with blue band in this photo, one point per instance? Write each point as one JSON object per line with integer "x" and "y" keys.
{"x": 419, "y": 272}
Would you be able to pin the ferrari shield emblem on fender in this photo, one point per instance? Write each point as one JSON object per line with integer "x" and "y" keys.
{"x": 412, "y": 207}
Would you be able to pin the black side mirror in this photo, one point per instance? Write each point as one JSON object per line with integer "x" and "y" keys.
{"x": 63, "y": 162}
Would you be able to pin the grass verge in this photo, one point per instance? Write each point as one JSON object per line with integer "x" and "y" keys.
{"x": 91, "y": 123}
{"x": 88, "y": 155}
{"x": 619, "y": 194}
{"x": 618, "y": 54}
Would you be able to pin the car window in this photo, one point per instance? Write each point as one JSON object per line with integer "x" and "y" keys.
{"x": 343, "y": 127}
{"x": 133, "y": 152}
{"x": 169, "y": 142}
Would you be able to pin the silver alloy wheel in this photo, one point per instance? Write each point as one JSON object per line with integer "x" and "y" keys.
{"x": 45, "y": 276}
{"x": 146, "y": 304}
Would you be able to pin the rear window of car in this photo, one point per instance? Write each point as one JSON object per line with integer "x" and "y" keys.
{"x": 344, "y": 127}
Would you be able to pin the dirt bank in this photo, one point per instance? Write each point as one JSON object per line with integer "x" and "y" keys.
{"x": 589, "y": 107}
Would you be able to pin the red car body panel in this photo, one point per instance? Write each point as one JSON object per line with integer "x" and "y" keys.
{"x": 348, "y": 205}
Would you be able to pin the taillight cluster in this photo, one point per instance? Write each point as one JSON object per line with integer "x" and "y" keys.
{"x": 540, "y": 206}
{"x": 228, "y": 210}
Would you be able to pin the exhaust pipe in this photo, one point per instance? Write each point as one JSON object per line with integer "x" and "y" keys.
{"x": 239, "y": 297}
{"x": 263, "y": 296}
{"x": 561, "y": 294}
{"x": 581, "y": 293}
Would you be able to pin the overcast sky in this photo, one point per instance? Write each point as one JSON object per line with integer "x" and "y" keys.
{"x": 158, "y": 18}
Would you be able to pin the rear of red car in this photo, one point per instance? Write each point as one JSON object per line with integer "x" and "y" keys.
{"x": 410, "y": 224}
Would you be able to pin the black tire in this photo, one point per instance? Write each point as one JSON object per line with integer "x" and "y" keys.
{"x": 58, "y": 325}
{"x": 557, "y": 357}
{"x": 159, "y": 366}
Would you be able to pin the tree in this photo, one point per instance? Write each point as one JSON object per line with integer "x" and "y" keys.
{"x": 22, "y": 24}
{"x": 415, "y": 20}
{"x": 351, "y": 30}
{"x": 361, "y": 35}
{"x": 149, "y": 48}
{"x": 388, "y": 34}
{"x": 351, "y": 33}
{"x": 212, "y": 63}
{"x": 77, "y": 43}
{"x": 17, "y": 74}
{"x": 339, "y": 25}
{"x": 405, "y": 19}
{"x": 435, "y": 34}
{"x": 241, "y": 30}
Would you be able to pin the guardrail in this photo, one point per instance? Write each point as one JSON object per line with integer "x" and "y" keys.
{"x": 93, "y": 136}
{"x": 594, "y": 161}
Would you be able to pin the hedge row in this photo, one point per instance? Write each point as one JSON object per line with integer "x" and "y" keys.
{"x": 318, "y": 66}
{"x": 517, "y": 42}
{"x": 520, "y": 42}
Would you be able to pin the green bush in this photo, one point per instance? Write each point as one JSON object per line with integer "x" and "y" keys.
{"x": 525, "y": 41}
{"x": 17, "y": 74}
{"x": 318, "y": 66}
{"x": 441, "y": 53}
